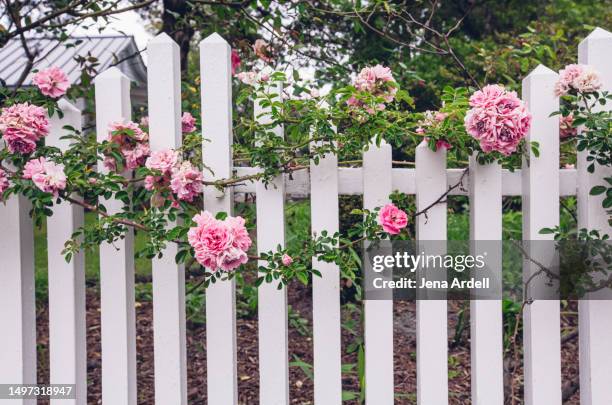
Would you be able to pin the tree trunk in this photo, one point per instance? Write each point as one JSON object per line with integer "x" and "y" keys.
{"x": 175, "y": 25}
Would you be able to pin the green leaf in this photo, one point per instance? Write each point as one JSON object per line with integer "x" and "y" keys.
{"x": 598, "y": 190}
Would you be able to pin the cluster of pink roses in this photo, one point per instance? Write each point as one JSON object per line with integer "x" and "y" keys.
{"x": 219, "y": 244}
{"x": 49, "y": 177}
{"x": 498, "y": 119}
{"x": 377, "y": 81}
{"x": 22, "y": 125}
{"x": 133, "y": 144}
{"x": 392, "y": 219}
{"x": 184, "y": 179}
{"x": 52, "y": 82}
{"x": 579, "y": 78}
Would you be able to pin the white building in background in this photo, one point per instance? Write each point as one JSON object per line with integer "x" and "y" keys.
{"x": 101, "y": 51}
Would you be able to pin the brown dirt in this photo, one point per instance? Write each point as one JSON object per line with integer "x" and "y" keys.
{"x": 300, "y": 346}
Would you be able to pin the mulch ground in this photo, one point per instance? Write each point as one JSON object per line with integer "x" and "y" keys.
{"x": 300, "y": 346}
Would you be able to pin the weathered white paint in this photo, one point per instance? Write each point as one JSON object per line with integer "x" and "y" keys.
{"x": 541, "y": 332}
{"x": 272, "y": 302}
{"x": 118, "y": 317}
{"x": 164, "y": 91}
{"x": 215, "y": 68}
{"x": 432, "y": 338}
{"x": 378, "y": 328}
{"x": 326, "y": 289}
{"x": 595, "y": 316}
{"x": 17, "y": 301}
{"x": 486, "y": 315}
{"x": 67, "y": 329}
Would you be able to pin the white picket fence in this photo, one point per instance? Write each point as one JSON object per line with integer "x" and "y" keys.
{"x": 540, "y": 184}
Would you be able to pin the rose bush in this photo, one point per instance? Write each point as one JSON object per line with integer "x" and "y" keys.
{"x": 492, "y": 123}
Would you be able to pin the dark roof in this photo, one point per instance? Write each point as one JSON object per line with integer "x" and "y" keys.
{"x": 52, "y": 52}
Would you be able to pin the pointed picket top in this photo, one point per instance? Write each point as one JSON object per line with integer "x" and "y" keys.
{"x": 162, "y": 38}
{"x": 597, "y": 33}
{"x": 66, "y": 106}
{"x": 595, "y": 48}
{"x": 541, "y": 70}
{"x": 214, "y": 38}
{"x": 111, "y": 72}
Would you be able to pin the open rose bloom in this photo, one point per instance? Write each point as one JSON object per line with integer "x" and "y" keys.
{"x": 47, "y": 176}
{"x": 188, "y": 123}
{"x": 498, "y": 119}
{"x": 219, "y": 245}
{"x": 392, "y": 219}
{"x": 22, "y": 126}
{"x": 51, "y": 82}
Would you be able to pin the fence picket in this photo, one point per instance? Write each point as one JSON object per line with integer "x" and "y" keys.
{"x": 378, "y": 314}
{"x": 272, "y": 302}
{"x": 18, "y": 337}
{"x": 215, "y": 69}
{"x": 326, "y": 289}
{"x": 486, "y": 315}
{"x": 595, "y": 316}
{"x": 164, "y": 82}
{"x": 541, "y": 332}
{"x": 432, "y": 361}
{"x": 67, "y": 329}
{"x": 118, "y": 317}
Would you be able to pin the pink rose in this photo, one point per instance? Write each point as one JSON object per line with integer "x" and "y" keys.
{"x": 47, "y": 176}
{"x": 566, "y": 126}
{"x": 241, "y": 237}
{"x": 231, "y": 258}
{"x": 22, "y": 126}
{"x": 136, "y": 156}
{"x": 162, "y": 160}
{"x": 392, "y": 219}
{"x": 235, "y": 61}
{"x": 219, "y": 244}
{"x": 498, "y": 119}
{"x": 188, "y": 123}
{"x": 110, "y": 164}
{"x": 52, "y": 82}
{"x": 579, "y": 78}
{"x": 133, "y": 144}
{"x": 441, "y": 143}
{"x": 287, "y": 260}
{"x": 33, "y": 167}
{"x": 186, "y": 182}
{"x": 150, "y": 182}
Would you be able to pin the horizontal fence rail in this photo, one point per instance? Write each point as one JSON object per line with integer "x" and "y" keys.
{"x": 350, "y": 181}
{"x": 540, "y": 183}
